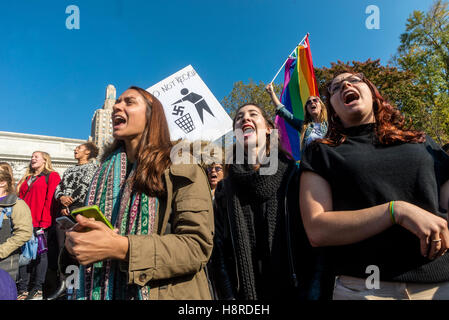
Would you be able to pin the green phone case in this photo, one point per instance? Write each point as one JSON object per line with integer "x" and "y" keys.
{"x": 92, "y": 212}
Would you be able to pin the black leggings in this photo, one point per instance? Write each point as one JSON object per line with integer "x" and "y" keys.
{"x": 39, "y": 268}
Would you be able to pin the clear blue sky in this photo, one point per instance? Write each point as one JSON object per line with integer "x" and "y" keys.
{"x": 53, "y": 79}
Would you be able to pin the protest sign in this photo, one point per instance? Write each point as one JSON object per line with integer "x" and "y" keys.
{"x": 192, "y": 111}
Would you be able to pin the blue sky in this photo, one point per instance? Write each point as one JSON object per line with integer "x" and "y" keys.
{"x": 52, "y": 79}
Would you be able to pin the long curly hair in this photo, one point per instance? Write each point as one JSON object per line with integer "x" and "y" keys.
{"x": 390, "y": 126}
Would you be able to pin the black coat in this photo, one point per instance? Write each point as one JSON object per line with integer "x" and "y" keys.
{"x": 299, "y": 265}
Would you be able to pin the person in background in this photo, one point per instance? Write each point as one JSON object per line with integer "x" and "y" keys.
{"x": 214, "y": 174}
{"x": 16, "y": 226}
{"x": 314, "y": 125}
{"x": 37, "y": 188}
{"x": 162, "y": 212}
{"x": 72, "y": 190}
{"x": 260, "y": 248}
{"x": 370, "y": 193}
{"x": 71, "y": 193}
{"x": 8, "y": 290}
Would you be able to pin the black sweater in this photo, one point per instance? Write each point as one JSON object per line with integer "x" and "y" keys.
{"x": 363, "y": 174}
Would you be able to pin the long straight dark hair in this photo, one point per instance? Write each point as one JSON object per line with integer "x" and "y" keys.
{"x": 270, "y": 123}
{"x": 153, "y": 150}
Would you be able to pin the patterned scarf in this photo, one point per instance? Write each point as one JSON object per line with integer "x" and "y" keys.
{"x": 130, "y": 213}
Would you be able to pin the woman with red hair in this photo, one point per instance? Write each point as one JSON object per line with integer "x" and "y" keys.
{"x": 162, "y": 213}
{"x": 371, "y": 193}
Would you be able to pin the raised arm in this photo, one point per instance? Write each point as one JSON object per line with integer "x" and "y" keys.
{"x": 282, "y": 111}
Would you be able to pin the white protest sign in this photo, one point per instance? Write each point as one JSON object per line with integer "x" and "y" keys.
{"x": 192, "y": 111}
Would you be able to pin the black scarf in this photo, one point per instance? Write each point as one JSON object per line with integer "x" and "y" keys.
{"x": 253, "y": 190}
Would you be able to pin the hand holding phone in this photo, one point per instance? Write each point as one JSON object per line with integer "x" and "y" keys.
{"x": 92, "y": 212}
{"x": 65, "y": 223}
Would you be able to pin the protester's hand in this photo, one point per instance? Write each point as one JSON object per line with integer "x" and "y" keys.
{"x": 429, "y": 228}
{"x": 65, "y": 212}
{"x": 269, "y": 88}
{"x": 66, "y": 200}
{"x": 90, "y": 241}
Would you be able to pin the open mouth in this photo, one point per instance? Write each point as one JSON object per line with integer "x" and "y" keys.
{"x": 248, "y": 130}
{"x": 118, "y": 120}
{"x": 350, "y": 96}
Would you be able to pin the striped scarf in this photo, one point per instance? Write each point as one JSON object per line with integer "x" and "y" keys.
{"x": 130, "y": 213}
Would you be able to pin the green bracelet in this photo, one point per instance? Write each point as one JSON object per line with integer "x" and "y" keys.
{"x": 391, "y": 209}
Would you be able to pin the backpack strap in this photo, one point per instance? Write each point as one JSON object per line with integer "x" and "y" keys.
{"x": 8, "y": 212}
{"x": 46, "y": 175}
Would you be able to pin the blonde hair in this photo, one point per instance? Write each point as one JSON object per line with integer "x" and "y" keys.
{"x": 308, "y": 118}
{"x": 48, "y": 167}
{"x": 6, "y": 174}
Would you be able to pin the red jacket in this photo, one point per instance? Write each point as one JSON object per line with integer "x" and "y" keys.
{"x": 40, "y": 198}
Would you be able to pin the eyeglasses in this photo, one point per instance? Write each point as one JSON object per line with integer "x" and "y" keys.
{"x": 217, "y": 169}
{"x": 336, "y": 86}
{"x": 313, "y": 100}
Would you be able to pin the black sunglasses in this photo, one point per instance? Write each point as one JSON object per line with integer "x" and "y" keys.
{"x": 217, "y": 169}
{"x": 314, "y": 100}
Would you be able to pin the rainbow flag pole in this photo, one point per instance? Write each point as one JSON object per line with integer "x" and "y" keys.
{"x": 300, "y": 42}
{"x": 299, "y": 84}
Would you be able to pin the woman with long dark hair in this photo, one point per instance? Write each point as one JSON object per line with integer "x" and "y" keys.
{"x": 162, "y": 213}
{"x": 371, "y": 193}
{"x": 259, "y": 241}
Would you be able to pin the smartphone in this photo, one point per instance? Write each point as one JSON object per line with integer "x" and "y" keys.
{"x": 92, "y": 212}
{"x": 65, "y": 223}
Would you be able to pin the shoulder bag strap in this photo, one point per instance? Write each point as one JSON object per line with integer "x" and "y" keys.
{"x": 46, "y": 194}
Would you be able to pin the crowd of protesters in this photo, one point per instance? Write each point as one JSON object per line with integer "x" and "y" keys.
{"x": 369, "y": 193}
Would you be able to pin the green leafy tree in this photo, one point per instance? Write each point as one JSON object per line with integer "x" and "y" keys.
{"x": 250, "y": 93}
{"x": 424, "y": 51}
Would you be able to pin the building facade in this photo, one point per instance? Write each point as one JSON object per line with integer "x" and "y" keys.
{"x": 17, "y": 148}
{"x": 101, "y": 129}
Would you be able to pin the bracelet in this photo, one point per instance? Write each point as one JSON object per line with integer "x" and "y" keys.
{"x": 391, "y": 209}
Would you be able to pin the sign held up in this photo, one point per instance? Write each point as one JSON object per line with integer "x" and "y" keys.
{"x": 192, "y": 111}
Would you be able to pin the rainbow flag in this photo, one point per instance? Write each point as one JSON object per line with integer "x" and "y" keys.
{"x": 299, "y": 84}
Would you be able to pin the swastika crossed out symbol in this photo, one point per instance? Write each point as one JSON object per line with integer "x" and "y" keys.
{"x": 178, "y": 110}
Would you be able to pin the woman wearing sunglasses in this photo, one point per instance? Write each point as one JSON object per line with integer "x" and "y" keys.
{"x": 314, "y": 125}
{"x": 214, "y": 175}
{"x": 371, "y": 193}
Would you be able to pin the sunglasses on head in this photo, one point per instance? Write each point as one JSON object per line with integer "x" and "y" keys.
{"x": 217, "y": 169}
